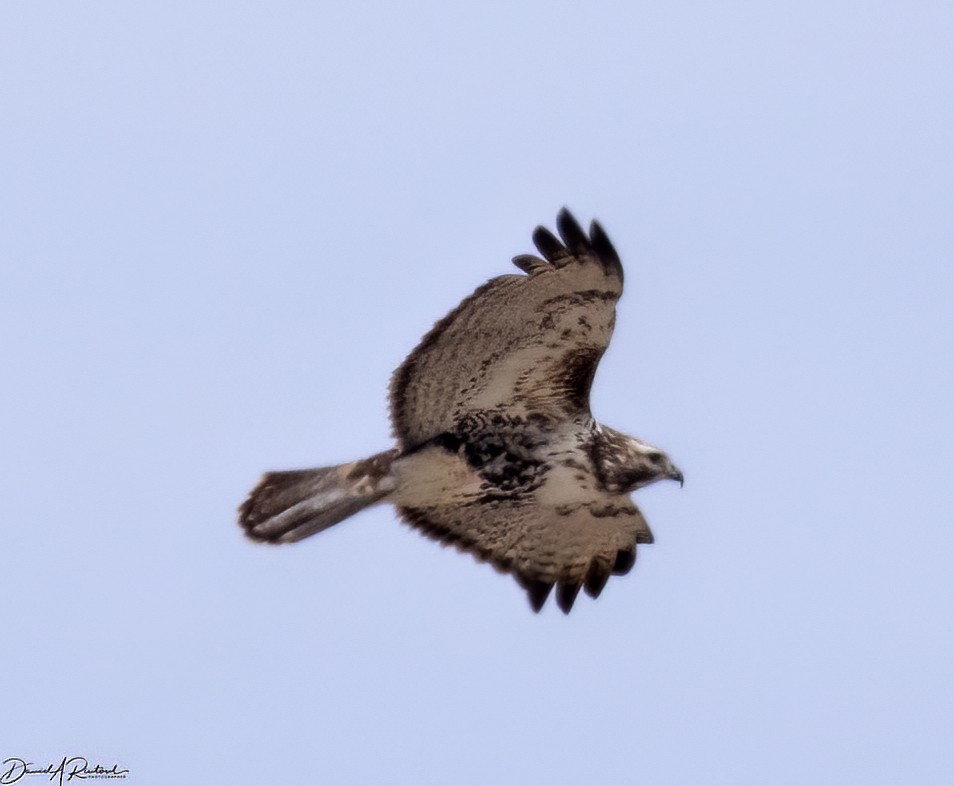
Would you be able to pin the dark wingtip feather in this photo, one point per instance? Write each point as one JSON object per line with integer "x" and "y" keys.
{"x": 548, "y": 245}
{"x": 625, "y": 559}
{"x": 596, "y": 578}
{"x": 530, "y": 264}
{"x": 566, "y": 595}
{"x": 605, "y": 250}
{"x": 572, "y": 233}
{"x": 537, "y": 591}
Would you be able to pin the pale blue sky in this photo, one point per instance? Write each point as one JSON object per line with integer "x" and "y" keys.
{"x": 224, "y": 224}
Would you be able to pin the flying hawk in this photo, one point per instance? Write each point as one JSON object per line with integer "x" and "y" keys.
{"x": 497, "y": 452}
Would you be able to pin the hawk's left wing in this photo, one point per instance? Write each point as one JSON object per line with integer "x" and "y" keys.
{"x": 573, "y": 546}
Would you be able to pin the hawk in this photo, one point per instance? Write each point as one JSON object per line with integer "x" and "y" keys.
{"x": 497, "y": 452}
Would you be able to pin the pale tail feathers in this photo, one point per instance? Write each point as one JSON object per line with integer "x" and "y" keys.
{"x": 287, "y": 506}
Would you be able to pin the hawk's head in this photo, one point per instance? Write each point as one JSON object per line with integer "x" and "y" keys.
{"x": 625, "y": 464}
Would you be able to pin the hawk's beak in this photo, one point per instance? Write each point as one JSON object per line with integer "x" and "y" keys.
{"x": 677, "y": 475}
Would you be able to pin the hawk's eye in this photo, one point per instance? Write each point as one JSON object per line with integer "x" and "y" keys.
{"x": 656, "y": 459}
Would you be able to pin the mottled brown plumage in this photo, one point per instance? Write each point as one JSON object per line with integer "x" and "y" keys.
{"x": 497, "y": 452}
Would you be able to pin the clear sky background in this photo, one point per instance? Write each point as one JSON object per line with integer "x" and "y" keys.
{"x": 224, "y": 224}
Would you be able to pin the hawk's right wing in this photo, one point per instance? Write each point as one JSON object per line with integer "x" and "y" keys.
{"x": 522, "y": 345}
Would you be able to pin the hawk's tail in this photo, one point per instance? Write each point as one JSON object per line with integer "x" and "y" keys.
{"x": 288, "y": 506}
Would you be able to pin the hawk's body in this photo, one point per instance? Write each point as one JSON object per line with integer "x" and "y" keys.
{"x": 497, "y": 450}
